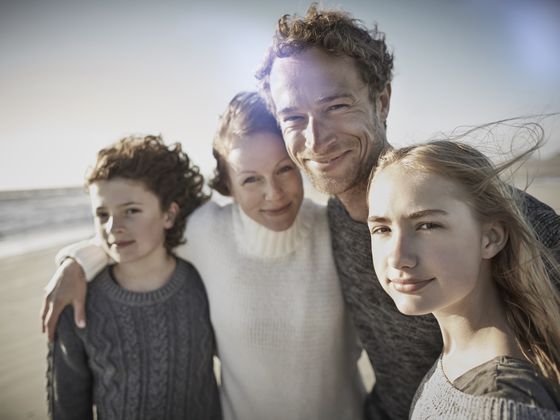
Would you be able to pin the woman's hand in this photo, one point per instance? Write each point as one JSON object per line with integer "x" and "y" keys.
{"x": 67, "y": 286}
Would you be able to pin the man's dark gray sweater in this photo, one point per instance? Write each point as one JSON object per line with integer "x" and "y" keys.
{"x": 141, "y": 356}
{"x": 401, "y": 348}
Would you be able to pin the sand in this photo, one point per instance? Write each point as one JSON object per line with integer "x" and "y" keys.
{"x": 22, "y": 345}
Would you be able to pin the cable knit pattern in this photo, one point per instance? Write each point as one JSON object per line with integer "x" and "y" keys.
{"x": 437, "y": 398}
{"x": 140, "y": 355}
{"x": 401, "y": 348}
{"x": 286, "y": 345}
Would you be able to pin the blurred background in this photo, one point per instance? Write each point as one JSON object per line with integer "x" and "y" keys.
{"x": 77, "y": 75}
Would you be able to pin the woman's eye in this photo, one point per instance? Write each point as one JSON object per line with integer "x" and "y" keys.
{"x": 102, "y": 216}
{"x": 249, "y": 180}
{"x": 131, "y": 211}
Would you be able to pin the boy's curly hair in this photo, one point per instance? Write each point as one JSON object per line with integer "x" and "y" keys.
{"x": 166, "y": 171}
{"x": 334, "y": 32}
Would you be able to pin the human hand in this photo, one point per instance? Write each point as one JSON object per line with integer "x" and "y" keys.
{"x": 67, "y": 286}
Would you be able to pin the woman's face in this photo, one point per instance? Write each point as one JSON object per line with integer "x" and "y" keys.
{"x": 264, "y": 181}
{"x": 429, "y": 251}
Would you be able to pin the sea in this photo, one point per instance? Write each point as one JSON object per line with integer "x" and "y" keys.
{"x": 31, "y": 220}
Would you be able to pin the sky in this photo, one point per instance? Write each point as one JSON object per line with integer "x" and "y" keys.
{"x": 77, "y": 75}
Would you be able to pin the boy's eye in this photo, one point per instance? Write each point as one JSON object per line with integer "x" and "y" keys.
{"x": 102, "y": 216}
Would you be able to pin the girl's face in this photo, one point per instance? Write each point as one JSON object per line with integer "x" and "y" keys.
{"x": 429, "y": 251}
{"x": 264, "y": 181}
{"x": 129, "y": 219}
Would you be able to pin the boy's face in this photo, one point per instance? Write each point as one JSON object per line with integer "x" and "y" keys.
{"x": 129, "y": 220}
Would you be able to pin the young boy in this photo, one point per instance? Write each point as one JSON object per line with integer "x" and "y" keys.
{"x": 148, "y": 346}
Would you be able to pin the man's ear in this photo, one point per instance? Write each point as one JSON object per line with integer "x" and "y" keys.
{"x": 170, "y": 215}
{"x": 494, "y": 238}
{"x": 384, "y": 102}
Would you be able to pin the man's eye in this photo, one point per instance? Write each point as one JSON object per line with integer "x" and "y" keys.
{"x": 284, "y": 169}
{"x": 292, "y": 119}
{"x": 336, "y": 107}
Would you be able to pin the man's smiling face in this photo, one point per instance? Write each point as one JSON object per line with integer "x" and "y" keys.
{"x": 332, "y": 129}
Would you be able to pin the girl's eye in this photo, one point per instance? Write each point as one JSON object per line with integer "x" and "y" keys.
{"x": 379, "y": 230}
{"x": 428, "y": 226}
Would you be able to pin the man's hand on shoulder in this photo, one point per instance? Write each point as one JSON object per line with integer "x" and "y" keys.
{"x": 67, "y": 286}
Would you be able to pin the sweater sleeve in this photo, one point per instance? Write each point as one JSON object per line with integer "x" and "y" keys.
{"x": 69, "y": 379}
{"x": 89, "y": 254}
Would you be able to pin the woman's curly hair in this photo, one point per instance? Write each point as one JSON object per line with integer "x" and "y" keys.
{"x": 164, "y": 170}
{"x": 336, "y": 33}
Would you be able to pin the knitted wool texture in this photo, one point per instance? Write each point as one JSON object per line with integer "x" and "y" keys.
{"x": 141, "y": 355}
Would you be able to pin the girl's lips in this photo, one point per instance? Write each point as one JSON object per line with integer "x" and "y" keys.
{"x": 409, "y": 286}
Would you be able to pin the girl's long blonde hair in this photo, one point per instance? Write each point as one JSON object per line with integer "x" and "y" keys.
{"x": 524, "y": 270}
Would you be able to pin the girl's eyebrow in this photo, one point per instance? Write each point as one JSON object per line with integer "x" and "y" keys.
{"x": 415, "y": 215}
{"x": 427, "y": 212}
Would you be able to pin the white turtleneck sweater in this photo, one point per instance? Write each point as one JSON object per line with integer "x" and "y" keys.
{"x": 286, "y": 344}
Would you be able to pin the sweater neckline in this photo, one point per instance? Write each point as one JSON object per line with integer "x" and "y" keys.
{"x": 107, "y": 283}
{"x": 256, "y": 240}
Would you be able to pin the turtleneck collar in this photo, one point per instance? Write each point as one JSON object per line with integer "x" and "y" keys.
{"x": 258, "y": 241}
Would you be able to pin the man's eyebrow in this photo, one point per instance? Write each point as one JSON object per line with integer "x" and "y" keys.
{"x": 323, "y": 100}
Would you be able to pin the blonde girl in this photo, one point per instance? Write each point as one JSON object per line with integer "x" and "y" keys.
{"x": 448, "y": 238}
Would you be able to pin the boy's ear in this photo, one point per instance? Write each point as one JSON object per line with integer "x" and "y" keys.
{"x": 494, "y": 238}
{"x": 170, "y": 215}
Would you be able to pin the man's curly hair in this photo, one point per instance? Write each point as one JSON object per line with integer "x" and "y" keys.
{"x": 336, "y": 33}
{"x": 166, "y": 171}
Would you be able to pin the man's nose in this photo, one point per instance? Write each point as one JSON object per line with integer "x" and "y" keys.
{"x": 317, "y": 134}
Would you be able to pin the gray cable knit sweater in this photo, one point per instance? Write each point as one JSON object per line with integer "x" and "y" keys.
{"x": 437, "y": 398}
{"x": 401, "y": 348}
{"x": 141, "y": 356}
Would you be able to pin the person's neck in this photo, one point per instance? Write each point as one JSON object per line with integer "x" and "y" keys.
{"x": 355, "y": 203}
{"x": 147, "y": 274}
{"x": 473, "y": 336}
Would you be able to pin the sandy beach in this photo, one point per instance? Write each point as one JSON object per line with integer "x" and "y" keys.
{"x": 22, "y": 345}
